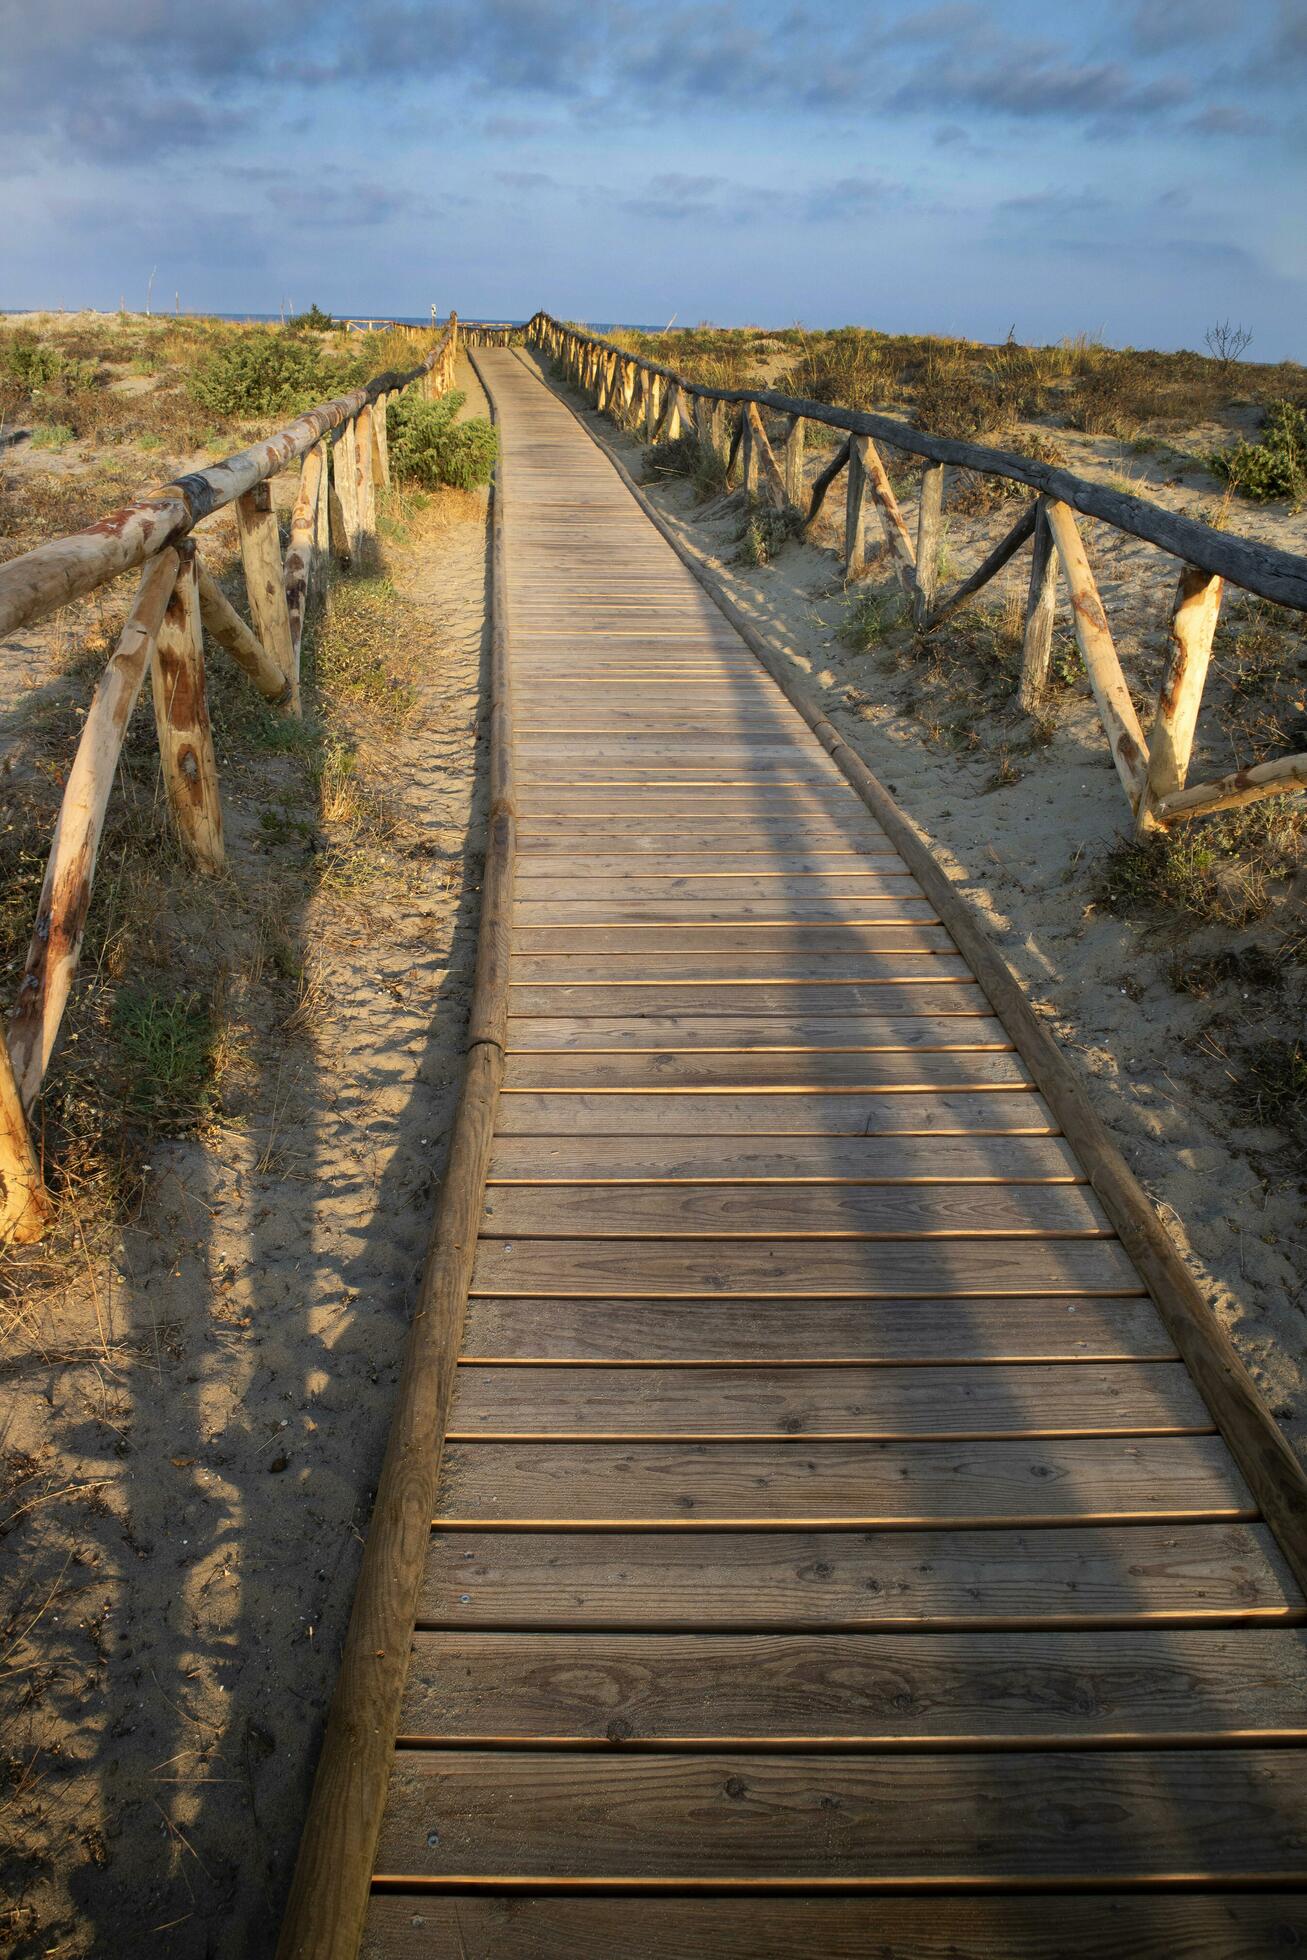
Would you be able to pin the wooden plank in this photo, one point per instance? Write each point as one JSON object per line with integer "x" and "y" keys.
{"x": 763, "y": 909}
{"x": 539, "y": 868}
{"x": 668, "y": 1072}
{"x": 876, "y": 1485}
{"x": 821, "y": 1161}
{"x": 871, "y": 1331}
{"x": 686, "y": 1210}
{"x": 755, "y": 1403}
{"x": 896, "y": 1691}
{"x": 1145, "y": 1575}
{"x": 868, "y": 1033}
{"x": 860, "y": 879}
{"x": 659, "y": 971}
{"x": 855, "y": 1820}
{"x": 486, "y": 1925}
{"x": 810, "y": 943}
{"x": 825, "y": 1268}
{"x": 754, "y": 1003}
{"x": 990, "y": 1112}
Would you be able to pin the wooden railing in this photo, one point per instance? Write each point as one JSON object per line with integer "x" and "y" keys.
{"x": 490, "y": 333}
{"x": 177, "y": 600}
{"x": 640, "y": 395}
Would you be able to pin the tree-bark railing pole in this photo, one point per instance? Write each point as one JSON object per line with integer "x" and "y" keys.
{"x": 380, "y": 443}
{"x": 70, "y": 871}
{"x": 1250, "y": 784}
{"x": 1171, "y": 738}
{"x": 855, "y": 510}
{"x": 1041, "y": 613}
{"x": 364, "y": 494}
{"x": 344, "y": 462}
{"x": 891, "y": 520}
{"x": 224, "y": 624}
{"x": 767, "y": 470}
{"x": 930, "y": 524}
{"x": 1116, "y": 709}
{"x": 181, "y": 713}
{"x": 265, "y": 580}
{"x": 653, "y": 407}
{"x": 25, "y": 1205}
{"x": 793, "y": 462}
{"x": 817, "y": 495}
{"x": 300, "y": 555}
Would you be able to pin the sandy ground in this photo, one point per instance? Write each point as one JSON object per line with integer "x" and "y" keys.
{"x": 178, "y": 1589}
{"x": 1028, "y": 855}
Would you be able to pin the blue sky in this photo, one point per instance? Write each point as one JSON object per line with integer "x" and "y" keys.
{"x": 1126, "y": 167}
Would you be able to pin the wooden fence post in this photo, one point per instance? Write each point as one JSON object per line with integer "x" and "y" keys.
{"x": 224, "y": 624}
{"x": 300, "y": 559}
{"x": 265, "y": 579}
{"x": 855, "y": 510}
{"x": 344, "y": 469}
{"x": 364, "y": 492}
{"x": 767, "y": 470}
{"x": 1116, "y": 709}
{"x": 891, "y": 519}
{"x": 1041, "y": 611}
{"x": 1171, "y": 738}
{"x": 748, "y": 454}
{"x": 25, "y": 1206}
{"x": 794, "y": 438}
{"x": 380, "y": 443}
{"x": 181, "y": 712}
{"x": 653, "y": 405}
{"x": 930, "y": 509}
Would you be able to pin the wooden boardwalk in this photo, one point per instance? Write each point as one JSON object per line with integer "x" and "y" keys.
{"x": 832, "y": 1555}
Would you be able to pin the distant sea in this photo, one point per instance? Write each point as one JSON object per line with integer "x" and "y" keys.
{"x": 268, "y": 319}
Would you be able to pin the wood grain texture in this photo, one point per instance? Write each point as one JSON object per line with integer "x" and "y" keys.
{"x": 990, "y": 1112}
{"x": 946, "y": 1819}
{"x": 561, "y": 1926}
{"x": 887, "y": 1690}
{"x": 1093, "y": 1399}
{"x": 875, "y": 1485}
{"x": 822, "y": 1268}
{"x": 1144, "y": 1575}
{"x": 695, "y": 1331}
{"x": 824, "y": 1160}
{"x": 669, "y": 1071}
{"x": 599, "y": 1034}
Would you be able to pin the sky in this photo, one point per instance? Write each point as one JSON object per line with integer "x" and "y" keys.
{"x": 1125, "y": 168}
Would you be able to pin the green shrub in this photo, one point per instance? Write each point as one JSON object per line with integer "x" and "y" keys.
{"x": 258, "y": 374}
{"x": 1275, "y": 466}
{"x": 30, "y": 361}
{"x": 165, "y": 1053}
{"x": 314, "y": 321}
{"x": 429, "y": 447}
{"x": 51, "y": 435}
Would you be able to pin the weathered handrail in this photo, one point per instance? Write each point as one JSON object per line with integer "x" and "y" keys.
{"x": 638, "y": 392}
{"x": 177, "y": 598}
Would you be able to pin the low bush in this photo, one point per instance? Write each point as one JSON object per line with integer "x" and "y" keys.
{"x": 1276, "y": 465}
{"x": 428, "y": 446}
{"x": 261, "y": 374}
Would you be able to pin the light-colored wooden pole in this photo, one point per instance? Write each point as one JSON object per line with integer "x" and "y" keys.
{"x": 70, "y": 871}
{"x": 300, "y": 555}
{"x": 345, "y": 470}
{"x": 891, "y": 519}
{"x": 265, "y": 578}
{"x": 224, "y": 624}
{"x": 794, "y": 443}
{"x": 1115, "y": 708}
{"x": 25, "y": 1206}
{"x": 855, "y": 510}
{"x": 364, "y": 492}
{"x": 768, "y": 470}
{"x": 653, "y": 406}
{"x": 181, "y": 713}
{"x": 748, "y": 455}
{"x": 1041, "y": 612}
{"x": 380, "y": 443}
{"x": 1249, "y": 785}
{"x": 930, "y": 524}
{"x": 1171, "y": 738}
{"x": 1007, "y": 547}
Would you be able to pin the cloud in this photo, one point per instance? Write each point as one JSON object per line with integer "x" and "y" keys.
{"x": 1226, "y": 119}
